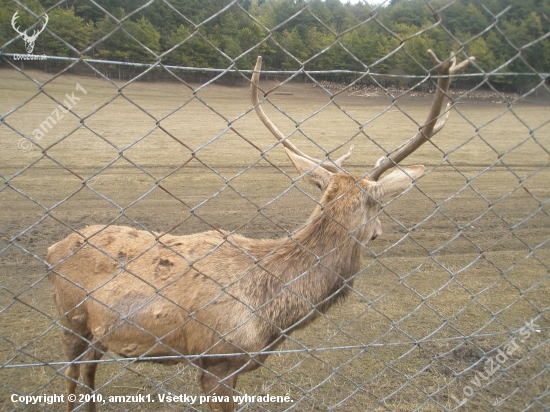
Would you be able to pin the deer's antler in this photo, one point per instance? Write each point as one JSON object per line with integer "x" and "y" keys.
{"x": 432, "y": 126}
{"x": 16, "y": 28}
{"x": 331, "y": 165}
{"x": 36, "y": 32}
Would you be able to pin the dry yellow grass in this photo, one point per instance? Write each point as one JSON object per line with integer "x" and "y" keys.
{"x": 463, "y": 262}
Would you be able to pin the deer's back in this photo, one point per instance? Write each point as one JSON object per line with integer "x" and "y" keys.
{"x": 129, "y": 289}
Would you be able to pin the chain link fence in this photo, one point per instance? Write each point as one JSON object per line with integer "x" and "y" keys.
{"x": 449, "y": 308}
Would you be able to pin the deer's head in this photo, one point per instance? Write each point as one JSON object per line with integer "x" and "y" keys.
{"x": 29, "y": 40}
{"x": 362, "y": 197}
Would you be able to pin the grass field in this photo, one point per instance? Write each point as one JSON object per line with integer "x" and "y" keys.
{"x": 462, "y": 265}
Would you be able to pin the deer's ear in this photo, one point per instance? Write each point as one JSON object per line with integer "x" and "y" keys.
{"x": 399, "y": 180}
{"x": 311, "y": 172}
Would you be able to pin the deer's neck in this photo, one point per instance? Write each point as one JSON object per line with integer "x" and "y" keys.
{"x": 326, "y": 240}
{"x": 308, "y": 272}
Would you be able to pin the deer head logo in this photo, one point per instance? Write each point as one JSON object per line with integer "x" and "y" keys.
{"x": 29, "y": 40}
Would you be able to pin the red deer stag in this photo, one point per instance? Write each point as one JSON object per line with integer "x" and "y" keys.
{"x": 147, "y": 295}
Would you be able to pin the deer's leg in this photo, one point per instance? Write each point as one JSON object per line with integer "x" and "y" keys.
{"x": 218, "y": 381}
{"x": 73, "y": 347}
{"x": 88, "y": 375}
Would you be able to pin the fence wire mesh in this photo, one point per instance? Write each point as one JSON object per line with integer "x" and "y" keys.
{"x": 449, "y": 306}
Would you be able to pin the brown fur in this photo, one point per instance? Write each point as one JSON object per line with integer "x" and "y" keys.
{"x": 140, "y": 294}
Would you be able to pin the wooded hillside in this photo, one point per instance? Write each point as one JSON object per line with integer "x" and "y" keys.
{"x": 328, "y": 35}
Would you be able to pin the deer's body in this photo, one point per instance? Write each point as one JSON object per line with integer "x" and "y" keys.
{"x": 207, "y": 293}
{"x": 214, "y": 293}
{"x": 237, "y": 290}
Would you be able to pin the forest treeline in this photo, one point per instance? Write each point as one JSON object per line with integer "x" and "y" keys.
{"x": 212, "y": 33}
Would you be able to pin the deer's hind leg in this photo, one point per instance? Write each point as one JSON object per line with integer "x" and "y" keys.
{"x": 88, "y": 372}
{"x": 73, "y": 347}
